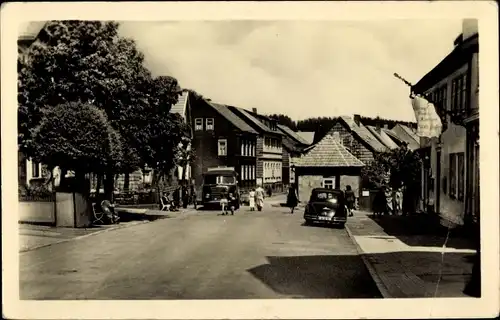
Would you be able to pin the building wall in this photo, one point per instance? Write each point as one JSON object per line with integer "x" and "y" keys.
{"x": 246, "y": 164}
{"x": 260, "y": 151}
{"x": 353, "y": 181}
{"x": 306, "y": 184}
{"x": 453, "y": 141}
{"x": 285, "y": 175}
{"x": 205, "y": 143}
{"x": 356, "y": 147}
{"x": 36, "y": 211}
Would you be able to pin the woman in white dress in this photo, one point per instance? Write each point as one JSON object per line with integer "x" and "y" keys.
{"x": 251, "y": 196}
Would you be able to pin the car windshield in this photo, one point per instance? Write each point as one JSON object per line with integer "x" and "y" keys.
{"x": 325, "y": 196}
{"x": 219, "y": 179}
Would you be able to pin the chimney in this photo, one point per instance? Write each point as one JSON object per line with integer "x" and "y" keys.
{"x": 254, "y": 110}
{"x": 357, "y": 119}
{"x": 377, "y": 127}
{"x": 386, "y": 126}
{"x": 469, "y": 28}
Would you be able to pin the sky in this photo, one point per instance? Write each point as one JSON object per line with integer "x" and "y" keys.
{"x": 299, "y": 68}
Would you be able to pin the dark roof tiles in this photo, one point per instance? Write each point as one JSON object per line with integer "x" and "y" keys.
{"x": 231, "y": 117}
{"x": 328, "y": 152}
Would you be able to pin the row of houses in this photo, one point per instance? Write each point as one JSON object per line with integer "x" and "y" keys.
{"x": 336, "y": 160}
{"x": 260, "y": 149}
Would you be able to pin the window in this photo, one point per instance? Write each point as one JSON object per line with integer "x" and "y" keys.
{"x": 198, "y": 124}
{"x": 222, "y": 147}
{"x": 35, "y": 170}
{"x": 242, "y": 148}
{"x": 459, "y": 99}
{"x": 461, "y": 176}
{"x": 253, "y": 172}
{"x": 253, "y": 149}
{"x": 247, "y": 152}
{"x": 210, "y": 124}
{"x": 328, "y": 183}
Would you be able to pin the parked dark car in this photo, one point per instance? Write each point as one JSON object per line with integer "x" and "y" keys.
{"x": 326, "y": 206}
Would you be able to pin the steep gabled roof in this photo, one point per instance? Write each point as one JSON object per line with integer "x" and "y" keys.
{"x": 382, "y": 137}
{"x": 407, "y": 135}
{"x": 291, "y": 145}
{"x": 363, "y": 134}
{"x": 231, "y": 117}
{"x": 328, "y": 152}
{"x": 410, "y": 132}
{"x": 180, "y": 106}
{"x": 253, "y": 119}
{"x": 393, "y": 135}
{"x": 292, "y": 134}
{"x": 307, "y": 136}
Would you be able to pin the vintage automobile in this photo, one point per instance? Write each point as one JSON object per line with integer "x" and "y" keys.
{"x": 218, "y": 181}
{"x": 326, "y": 206}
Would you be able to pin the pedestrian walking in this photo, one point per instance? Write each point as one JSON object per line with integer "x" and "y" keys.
{"x": 224, "y": 202}
{"x": 292, "y": 199}
{"x": 269, "y": 191}
{"x": 379, "y": 205}
{"x": 259, "y": 198}
{"x": 251, "y": 199}
{"x": 350, "y": 199}
{"x": 397, "y": 200}
{"x": 388, "y": 197}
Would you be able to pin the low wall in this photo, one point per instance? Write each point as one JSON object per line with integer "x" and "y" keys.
{"x": 36, "y": 212}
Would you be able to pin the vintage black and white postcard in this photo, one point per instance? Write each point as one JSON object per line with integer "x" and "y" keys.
{"x": 250, "y": 160}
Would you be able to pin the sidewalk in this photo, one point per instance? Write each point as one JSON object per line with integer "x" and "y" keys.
{"x": 406, "y": 262}
{"x": 32, "y": 237}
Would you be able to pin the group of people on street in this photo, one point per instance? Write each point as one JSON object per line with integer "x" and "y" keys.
{"x": 256, "y": 198}
{"x": 388, "y": 201}
{"x": 180, "y": 197}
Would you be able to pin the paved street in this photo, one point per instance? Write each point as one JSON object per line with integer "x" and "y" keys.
{"x": 202, "y": 255}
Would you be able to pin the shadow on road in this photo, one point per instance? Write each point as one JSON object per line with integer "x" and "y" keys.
{"x": 310, "y": 277}
{"x": 423, "y": 230}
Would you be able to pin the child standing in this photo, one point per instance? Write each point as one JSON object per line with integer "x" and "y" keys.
{"x": 251, "y": 199}
{"x": 224, "y": 203}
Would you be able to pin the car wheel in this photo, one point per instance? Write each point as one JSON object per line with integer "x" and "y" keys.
{"x": 341, "y": 226}
{"x": 307, "y": 222}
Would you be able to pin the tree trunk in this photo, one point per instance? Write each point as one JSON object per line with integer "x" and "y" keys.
{"x": 126, "y": 182}
{"x": 109, "y": 183}
{"x": 98, "y": 185}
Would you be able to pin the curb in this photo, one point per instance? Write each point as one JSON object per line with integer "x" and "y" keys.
{"x": 371, "y": 269}
{"x": 123, "y": 226}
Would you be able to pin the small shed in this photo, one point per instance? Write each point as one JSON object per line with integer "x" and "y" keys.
{"x": 324, "y": 165}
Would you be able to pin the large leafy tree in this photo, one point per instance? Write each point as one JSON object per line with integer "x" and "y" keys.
{"x": 88, "y": 62}
{"x": 66, "y": 135}
{"x": 399, "y": 166}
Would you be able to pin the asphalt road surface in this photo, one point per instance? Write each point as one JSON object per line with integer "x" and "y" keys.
{"x": 202, "y": 255}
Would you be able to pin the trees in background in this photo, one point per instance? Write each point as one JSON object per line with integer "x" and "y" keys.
{"x": 284, "y": 120}
{"x": 82, "y": 73}
{"x": 400, "y": 166}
